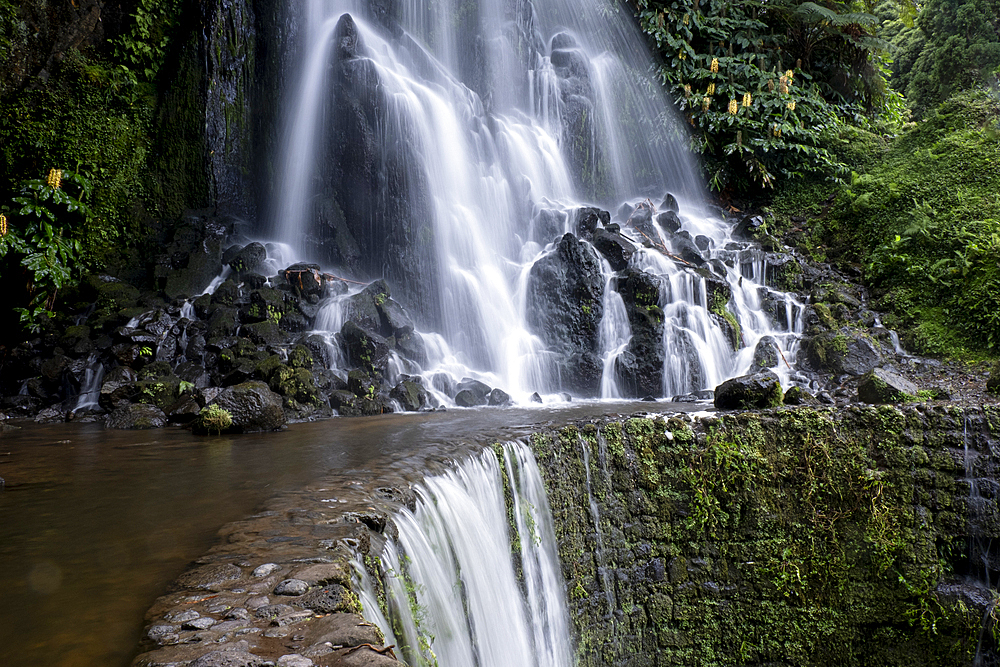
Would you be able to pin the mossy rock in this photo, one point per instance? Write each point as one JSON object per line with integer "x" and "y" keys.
{"x": 295, "y": 383}
{"x": 760, "y": 390}
{"x": 264, "y": 333}
{"x": 300, "y": 357}
{"x": 161, "y": 392}
{"x": 267, "y": 367}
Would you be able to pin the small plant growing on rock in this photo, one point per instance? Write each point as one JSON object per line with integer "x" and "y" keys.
{"x": 213, "y": 419}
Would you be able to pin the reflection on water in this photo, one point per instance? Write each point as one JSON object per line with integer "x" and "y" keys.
{"x": 94, "y": 524}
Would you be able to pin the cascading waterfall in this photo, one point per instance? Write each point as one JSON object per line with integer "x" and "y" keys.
{"x": 471, "y": 579}
{"x": 496, "y": 122}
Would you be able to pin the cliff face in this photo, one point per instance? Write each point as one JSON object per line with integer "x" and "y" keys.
{"x": 789, "y": 537}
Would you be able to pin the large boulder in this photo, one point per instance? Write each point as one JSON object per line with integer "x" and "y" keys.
{"x": 589, "y": 220}
{"x": 565, "y": 304}
{"x": 766, "y": 354}
{"x": 252, "y": 406}
{"x": 843, "y": 352}
{"x": 882, "y": 386}
{"x": 748, "y": 392}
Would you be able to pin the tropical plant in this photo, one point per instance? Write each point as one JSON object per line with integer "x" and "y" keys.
{"x": 763, "y": 83}
{"x": 39, "y": 235}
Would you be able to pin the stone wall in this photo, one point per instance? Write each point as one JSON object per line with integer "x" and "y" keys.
{"x": 788, "y": 537}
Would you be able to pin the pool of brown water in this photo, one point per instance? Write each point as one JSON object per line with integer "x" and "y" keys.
{"x": 94, "y": 524}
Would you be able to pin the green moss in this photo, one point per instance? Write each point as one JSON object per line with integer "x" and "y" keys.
{"x": 212, "y": 419}
{"x": 787, "y": 538}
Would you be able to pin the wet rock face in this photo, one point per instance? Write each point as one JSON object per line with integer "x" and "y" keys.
{"x": 377, "y": 217}
{"x": 565, "y": 304}
{"x": 640, "y": 367}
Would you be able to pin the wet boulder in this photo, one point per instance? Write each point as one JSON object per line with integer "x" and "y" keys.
{"x": 468, "y": 399}
{"x": 411, "y": 395}
{"x": 756, "y": 391}
{"x": 365, "y": 348}
{"x": 640, "y": 367}
{"x": 669, "y": 204}
{"x": 799, "y": 396}
{"x": 684, "y": 246}
{"x": 641, "y": 220}
{"x": 669, "y": 221}
{"x": 565, "y": 304}
{"x": 749, "y": 227}
{"x": 880, "y": 386}
{"x": 304, "y": 279}
{"x": 252, "y": 406}
{"x": 249, "y": 259}
{"x": 117, "y": 390}
{"x": 766, "y": 354}
{"x": 614, "y": 247}
{"x": 589, "y": 220}
{"x": 993, "y": 383}
{"x": 499, "y": 398}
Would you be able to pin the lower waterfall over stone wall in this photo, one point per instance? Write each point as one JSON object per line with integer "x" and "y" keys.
{"x": 473, "y": 577}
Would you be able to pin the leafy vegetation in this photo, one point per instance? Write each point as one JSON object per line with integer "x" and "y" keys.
{"x": 921, "y": 217}
{"x": 764, "y": 84}
{"x": 44, "y": 239}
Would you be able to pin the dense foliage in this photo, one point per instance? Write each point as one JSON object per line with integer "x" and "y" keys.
{"x": 921, "y": 218}
{"x": 763, "y": 83}
{"x": 91, "y": 113}
{"x": 953, "y": 45}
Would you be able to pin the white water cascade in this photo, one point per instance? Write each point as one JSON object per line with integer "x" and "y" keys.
{"x": 496, "y": 122}
{"x": 452, "y": 590}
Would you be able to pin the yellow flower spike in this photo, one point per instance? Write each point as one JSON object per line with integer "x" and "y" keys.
{"x": 705, "y": 102}
{"x": 681, "y": 55}
{"x": 733, "y": 107}
{"x": 791, "y": 105}
{"x": 777, "y": 131}
{"x": 687, "y": 90}
{"x": 770, "y": 85}
{"x": 3, "y": 225}
{"x": 55, "y": 178}
{"x": 747, "y": 99}
{"x": 783, "y": 85}
{"x": 687, "y": 19}
{"x": 789, "y": 74}
{"x": 711, "y": 89}
{"x": 715, "y": 65}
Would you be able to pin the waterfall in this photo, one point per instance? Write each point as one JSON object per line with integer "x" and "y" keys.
{"x": 474, "y": 579}
{"x": 447, "y": 146}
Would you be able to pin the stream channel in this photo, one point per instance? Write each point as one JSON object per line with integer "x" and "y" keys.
{"x": 94, "y": 523}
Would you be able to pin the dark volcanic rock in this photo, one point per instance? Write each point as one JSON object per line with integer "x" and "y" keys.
{"x": 615, "y": 248}
{"x": 589, "y": 219}
{"x": 766, "y": 354}
{"x": 466, "y": 398}
{"x": 249, "y": 259}
{"x": 411, "y": 395}
{"x": 760, "y": 390}
{"x": 253, "y": 407}
{"x": 565, "y": 304}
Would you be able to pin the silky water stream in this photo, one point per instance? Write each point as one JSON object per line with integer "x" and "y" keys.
{"x": 454, "y": 149}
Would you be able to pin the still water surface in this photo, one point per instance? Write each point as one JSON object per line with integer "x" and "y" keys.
{"x": 94, "y": 524}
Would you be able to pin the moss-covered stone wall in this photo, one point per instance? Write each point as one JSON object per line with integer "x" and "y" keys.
{"x": 789, "y": 537}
